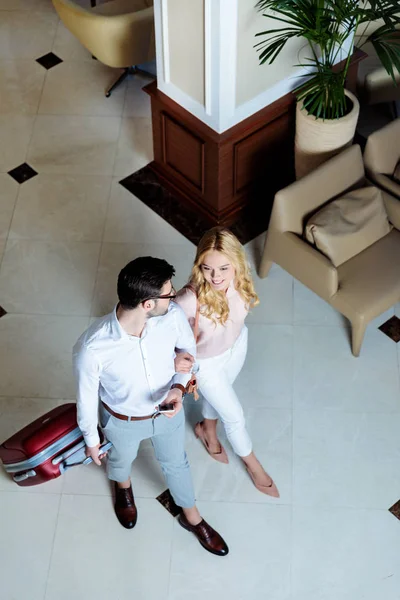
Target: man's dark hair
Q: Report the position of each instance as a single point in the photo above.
(141, 279)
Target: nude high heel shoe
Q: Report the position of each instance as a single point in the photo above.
(269, 490)
(220, 456)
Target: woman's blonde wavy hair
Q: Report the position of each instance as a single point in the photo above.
(214, 304)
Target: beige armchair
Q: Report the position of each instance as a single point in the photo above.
(119, 33)
(364, 286)
(382, 155)
(379, 88)
(375, 84)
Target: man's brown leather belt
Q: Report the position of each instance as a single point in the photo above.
(125, 418)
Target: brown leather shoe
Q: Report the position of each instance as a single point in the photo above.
(207, 536)
(125, 507)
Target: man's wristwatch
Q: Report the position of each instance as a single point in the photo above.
(179, 386)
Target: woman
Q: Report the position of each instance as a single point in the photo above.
(221, 288)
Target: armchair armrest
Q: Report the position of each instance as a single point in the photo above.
(305, 263)
(301, 198)
(386, 183)
(392, 208)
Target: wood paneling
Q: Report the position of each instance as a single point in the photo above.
(183, 152)
(223, 176)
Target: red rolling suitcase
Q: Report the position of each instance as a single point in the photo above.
(46, 448)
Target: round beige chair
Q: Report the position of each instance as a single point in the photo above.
(119, 33)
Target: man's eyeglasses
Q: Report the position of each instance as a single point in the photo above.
(170, 296)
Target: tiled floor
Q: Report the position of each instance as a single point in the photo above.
(325, 424)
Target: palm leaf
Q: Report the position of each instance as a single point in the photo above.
(327, 25)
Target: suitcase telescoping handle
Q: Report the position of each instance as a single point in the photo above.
(62, 460)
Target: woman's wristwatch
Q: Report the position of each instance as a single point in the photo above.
(179, 386)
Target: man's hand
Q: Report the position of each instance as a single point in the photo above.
(93, 451)
(183, 362)
(174, 397)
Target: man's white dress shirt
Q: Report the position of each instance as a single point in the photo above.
(132, 375)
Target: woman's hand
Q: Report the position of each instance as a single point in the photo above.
(183, 362)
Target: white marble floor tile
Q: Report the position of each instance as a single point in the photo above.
(78, 88)
(2, 247)
(343, 554)
(15, 134)
(16, 413)
(130, 221)
(258, 565)
(67, 47)
(94, 557)
(346, 459)
(276, 298)
(37, 355)
(21, 83)
(275, 291)
(146, 475)
(310, 309)
(115, 256)
(27, 525)
(17, 5)
(48, 277)
(271, 434)
(380, 319)
(398, 355)
(26, 34)
(74, 144)
(8, 194)
(254, 249)
(61, 207)
(137, 102)
(327, 375)
(135, 146)
(88, 480)
(267, 376)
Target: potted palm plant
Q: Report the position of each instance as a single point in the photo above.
(327, 113)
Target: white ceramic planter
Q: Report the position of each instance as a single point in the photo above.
(317, 140)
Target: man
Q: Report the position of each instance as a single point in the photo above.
(126, 359)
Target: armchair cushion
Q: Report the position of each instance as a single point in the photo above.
(345, 227)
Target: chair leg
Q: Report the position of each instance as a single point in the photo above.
(266, 260)
(358, 329)
(120, 79)
(265, 266)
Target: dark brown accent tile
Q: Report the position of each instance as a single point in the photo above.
(145, 185)
(395, 510)
(2, 312)
(168, 502)
(50, 60)
(22, 173)
(392, 328)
